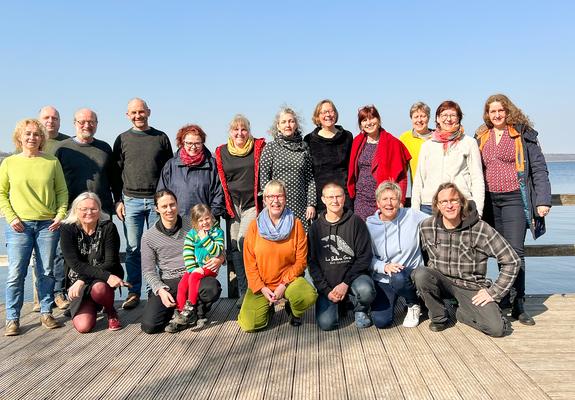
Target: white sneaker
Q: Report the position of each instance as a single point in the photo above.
(412, 318)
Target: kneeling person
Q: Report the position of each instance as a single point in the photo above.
(339, 261)
(396, 254)
(458, 244)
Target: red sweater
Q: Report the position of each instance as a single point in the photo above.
(389, 162)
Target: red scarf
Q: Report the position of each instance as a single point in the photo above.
(447, 138)
(191, 161)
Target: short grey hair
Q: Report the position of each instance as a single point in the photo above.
(388, 185)
(72, 217)
(275, 184)
(420, 106)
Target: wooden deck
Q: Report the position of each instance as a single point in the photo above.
(282, 362)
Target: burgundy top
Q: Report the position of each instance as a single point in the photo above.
(499, 164)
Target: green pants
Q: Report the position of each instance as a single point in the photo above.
(254, 312)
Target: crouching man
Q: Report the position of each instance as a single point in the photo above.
(458, 244)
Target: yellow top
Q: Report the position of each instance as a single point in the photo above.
(413, 144)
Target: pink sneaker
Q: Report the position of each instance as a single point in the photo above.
(114, 323)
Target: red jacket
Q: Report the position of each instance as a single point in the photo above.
(258, 147)
(389, 161)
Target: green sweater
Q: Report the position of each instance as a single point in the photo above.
(32, 189)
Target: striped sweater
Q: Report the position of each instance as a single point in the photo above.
(197, 251)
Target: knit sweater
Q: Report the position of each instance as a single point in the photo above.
(461, 164)
(32, 188)
(140, 156)
(197, 251)
(269, 263)
(162, 256)
(52, 144)
(461, 254)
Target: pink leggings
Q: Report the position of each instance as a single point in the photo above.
(189, 286)
(101, 294)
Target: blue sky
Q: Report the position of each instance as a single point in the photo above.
(203, 63)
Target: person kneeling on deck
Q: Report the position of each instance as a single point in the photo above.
(339, 261)
(394, 234)
(458, 244)
(275, 252)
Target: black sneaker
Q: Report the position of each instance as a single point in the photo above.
(293, 320)
(437, 326)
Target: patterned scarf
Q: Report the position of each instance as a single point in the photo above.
(277, 232)
(89, 246)
(191, 161)
(244, 151)
(447, 138)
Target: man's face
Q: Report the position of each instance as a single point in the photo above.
(449, 204)
(334, 199)
(86, 124)
(138, 113)
(50, 118)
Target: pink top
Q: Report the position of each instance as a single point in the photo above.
(499, 164)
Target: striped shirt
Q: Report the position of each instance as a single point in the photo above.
(197, 251)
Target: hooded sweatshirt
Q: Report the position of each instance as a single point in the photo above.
(395, 241)
(338, 252)
(461, 254)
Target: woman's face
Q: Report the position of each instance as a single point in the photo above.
(388, 203)
(167, 208)
(239, 135)
(287, 124)
(31, 138)
(193, 144)
(419, 121)
(88, 212)
(275, 201)
(327, 116)
(497, 115)
(448, 120)
(370, 125)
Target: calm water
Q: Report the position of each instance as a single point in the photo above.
(544, 274)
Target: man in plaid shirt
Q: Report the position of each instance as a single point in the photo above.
(458, 245)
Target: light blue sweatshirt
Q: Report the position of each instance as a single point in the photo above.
(395, 241)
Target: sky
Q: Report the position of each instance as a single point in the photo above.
(204, 62)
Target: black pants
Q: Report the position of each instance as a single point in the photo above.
(156, 316)
(505, 212)
(433, 287)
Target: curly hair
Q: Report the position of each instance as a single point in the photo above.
(21, 128)
(514, 115)
(189, 129)
(284, 110)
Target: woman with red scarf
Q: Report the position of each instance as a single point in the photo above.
(192, 173)
(376, 156)
(449, 156)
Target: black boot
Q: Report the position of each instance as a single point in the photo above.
(518, 312)
(189, 314)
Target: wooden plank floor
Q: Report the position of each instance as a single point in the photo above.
(219, 361)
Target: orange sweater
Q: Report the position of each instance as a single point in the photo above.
(270, 263)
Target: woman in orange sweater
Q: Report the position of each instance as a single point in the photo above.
(275, 257)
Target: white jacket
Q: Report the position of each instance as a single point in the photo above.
(460, 165)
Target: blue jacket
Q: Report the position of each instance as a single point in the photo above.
(194, 185)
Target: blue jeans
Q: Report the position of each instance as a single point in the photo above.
(361, 294)
(400, 284)
(20, 245)
(138, 213)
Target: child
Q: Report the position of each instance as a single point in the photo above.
(203, 242)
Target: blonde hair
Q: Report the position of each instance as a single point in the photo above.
(21, 128)
(198, 211)
(72, 217)
(275, 184)
(315, 117)
(239, 120)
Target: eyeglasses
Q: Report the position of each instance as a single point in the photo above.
(326, 112)
(87, 210)
(275, 196)
(447, 116)
(444, 203)
(337, 196)
(91, 123)
(194, 145)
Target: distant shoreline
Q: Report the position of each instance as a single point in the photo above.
(554, 157)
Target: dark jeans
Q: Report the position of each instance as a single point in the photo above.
(361, 293)
(433, 287)
(400, 284)
(156, 316)
(505, 212)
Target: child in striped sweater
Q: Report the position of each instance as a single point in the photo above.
(204, 241)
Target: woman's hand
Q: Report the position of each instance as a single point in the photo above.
(542, 211)
(17, 225)
(392, 268)
(279, 292)
(269, 295)
(115, 281)
(75, 289)
(167, 298)
(214, 264)
(310, 213)
(55, 224)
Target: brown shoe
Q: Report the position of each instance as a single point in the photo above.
(61, 302)
(36, 307)
(48, 321)
(131, 302)
(12, 328)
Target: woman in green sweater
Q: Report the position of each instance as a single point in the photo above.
(33, 199)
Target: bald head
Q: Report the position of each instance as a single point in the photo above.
(86, 124)
(138, 113)
(50, 118)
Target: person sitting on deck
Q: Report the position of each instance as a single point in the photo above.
(339, 260)
(458, 244)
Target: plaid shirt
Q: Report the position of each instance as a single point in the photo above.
(461, 254)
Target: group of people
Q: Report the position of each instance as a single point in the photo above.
(327, 201)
